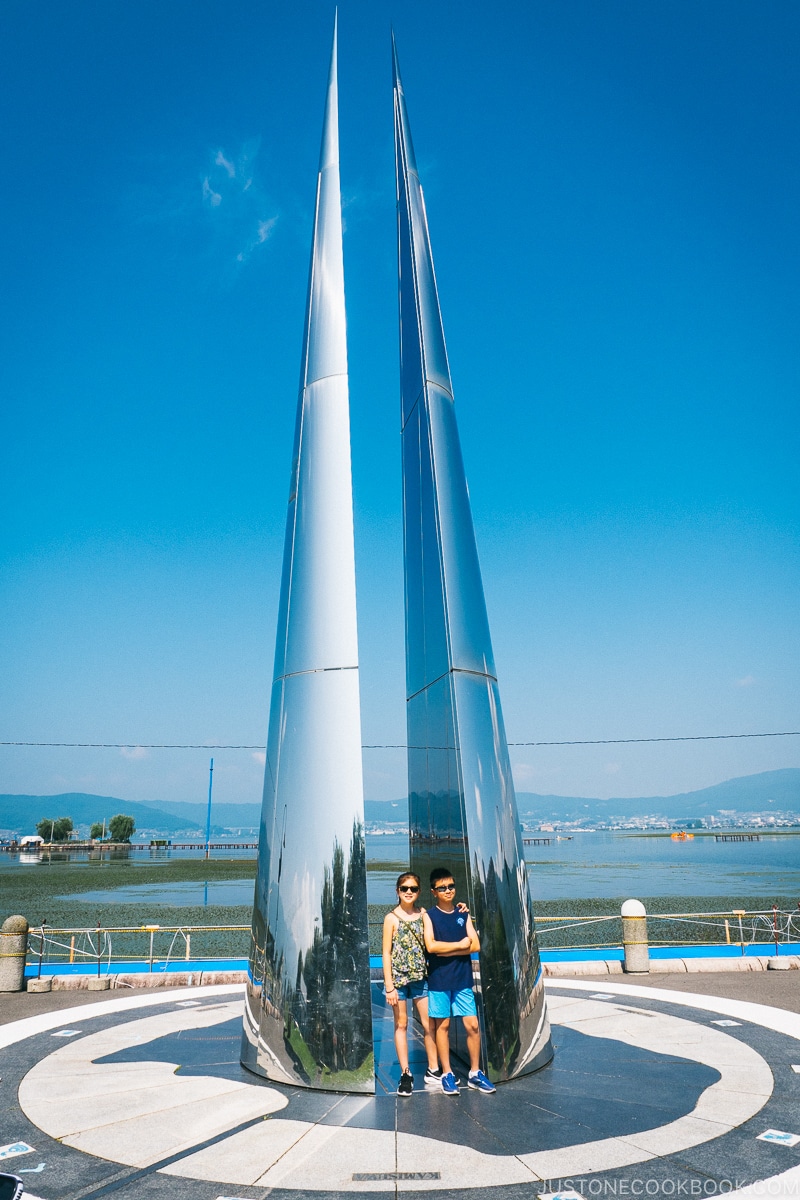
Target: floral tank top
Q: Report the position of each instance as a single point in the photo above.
(408, 952)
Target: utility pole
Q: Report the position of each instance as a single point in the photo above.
(208, 815)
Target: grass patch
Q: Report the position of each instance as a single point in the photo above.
(53, 892)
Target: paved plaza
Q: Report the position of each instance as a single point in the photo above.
(676, 1086)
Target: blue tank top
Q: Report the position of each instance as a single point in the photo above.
(449, 973)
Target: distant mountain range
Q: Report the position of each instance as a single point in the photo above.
(19, 814)
(769, 791)
(229, 816)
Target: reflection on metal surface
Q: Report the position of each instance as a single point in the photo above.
(463, 809)
(308, 1013)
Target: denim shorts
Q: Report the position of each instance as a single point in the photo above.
(413, 991)
(460, 1003)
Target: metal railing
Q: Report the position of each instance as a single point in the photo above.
(603, 931)
(735, 927)
(162, 947)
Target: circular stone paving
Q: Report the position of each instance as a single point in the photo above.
(649, 1093)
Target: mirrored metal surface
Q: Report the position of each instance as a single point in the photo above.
(308, 1012)
(462, 805)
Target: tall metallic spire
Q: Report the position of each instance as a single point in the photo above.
(308, 1013)
(462, 804)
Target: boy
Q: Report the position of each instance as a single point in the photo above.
(450, 939)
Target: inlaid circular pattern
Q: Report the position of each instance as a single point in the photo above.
(646, 1095)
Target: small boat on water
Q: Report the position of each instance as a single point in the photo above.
(682, 836)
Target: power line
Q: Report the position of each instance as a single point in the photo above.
(136, 745)
(703, 737)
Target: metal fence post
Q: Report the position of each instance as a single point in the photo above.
(152, 929)
(634, 937)
(40, 984)
(101, 983)
(740, 912)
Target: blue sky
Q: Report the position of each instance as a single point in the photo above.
(613, 193)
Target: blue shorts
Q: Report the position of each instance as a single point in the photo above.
(413, 991)
(452, 1004)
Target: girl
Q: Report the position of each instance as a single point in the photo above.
(404, 971)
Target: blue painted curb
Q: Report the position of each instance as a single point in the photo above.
(613, 954)
(709, 950)
(140, 968)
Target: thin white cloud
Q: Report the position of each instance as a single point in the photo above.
(527, 773)
(223, 196)
(231, 191)
(747, 681)
(263, 232)
(226, 164)
(259, 756)
(134, 752)
(265, 229)
(209, 195)
(611, 768)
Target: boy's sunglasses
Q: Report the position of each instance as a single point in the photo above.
(408, 889)
(445, 887)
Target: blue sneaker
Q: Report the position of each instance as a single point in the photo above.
(480, 1083)
(450, 1086)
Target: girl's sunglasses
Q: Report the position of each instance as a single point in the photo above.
(410, 888)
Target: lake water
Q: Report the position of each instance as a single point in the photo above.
(590, 865)
(613, 864)
(607, 865)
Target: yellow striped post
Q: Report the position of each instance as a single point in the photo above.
(13, 951)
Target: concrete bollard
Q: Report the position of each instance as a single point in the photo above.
(634, 937)
(13, 951)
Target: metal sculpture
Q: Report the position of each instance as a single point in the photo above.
(308, 1014)
(463, 812)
